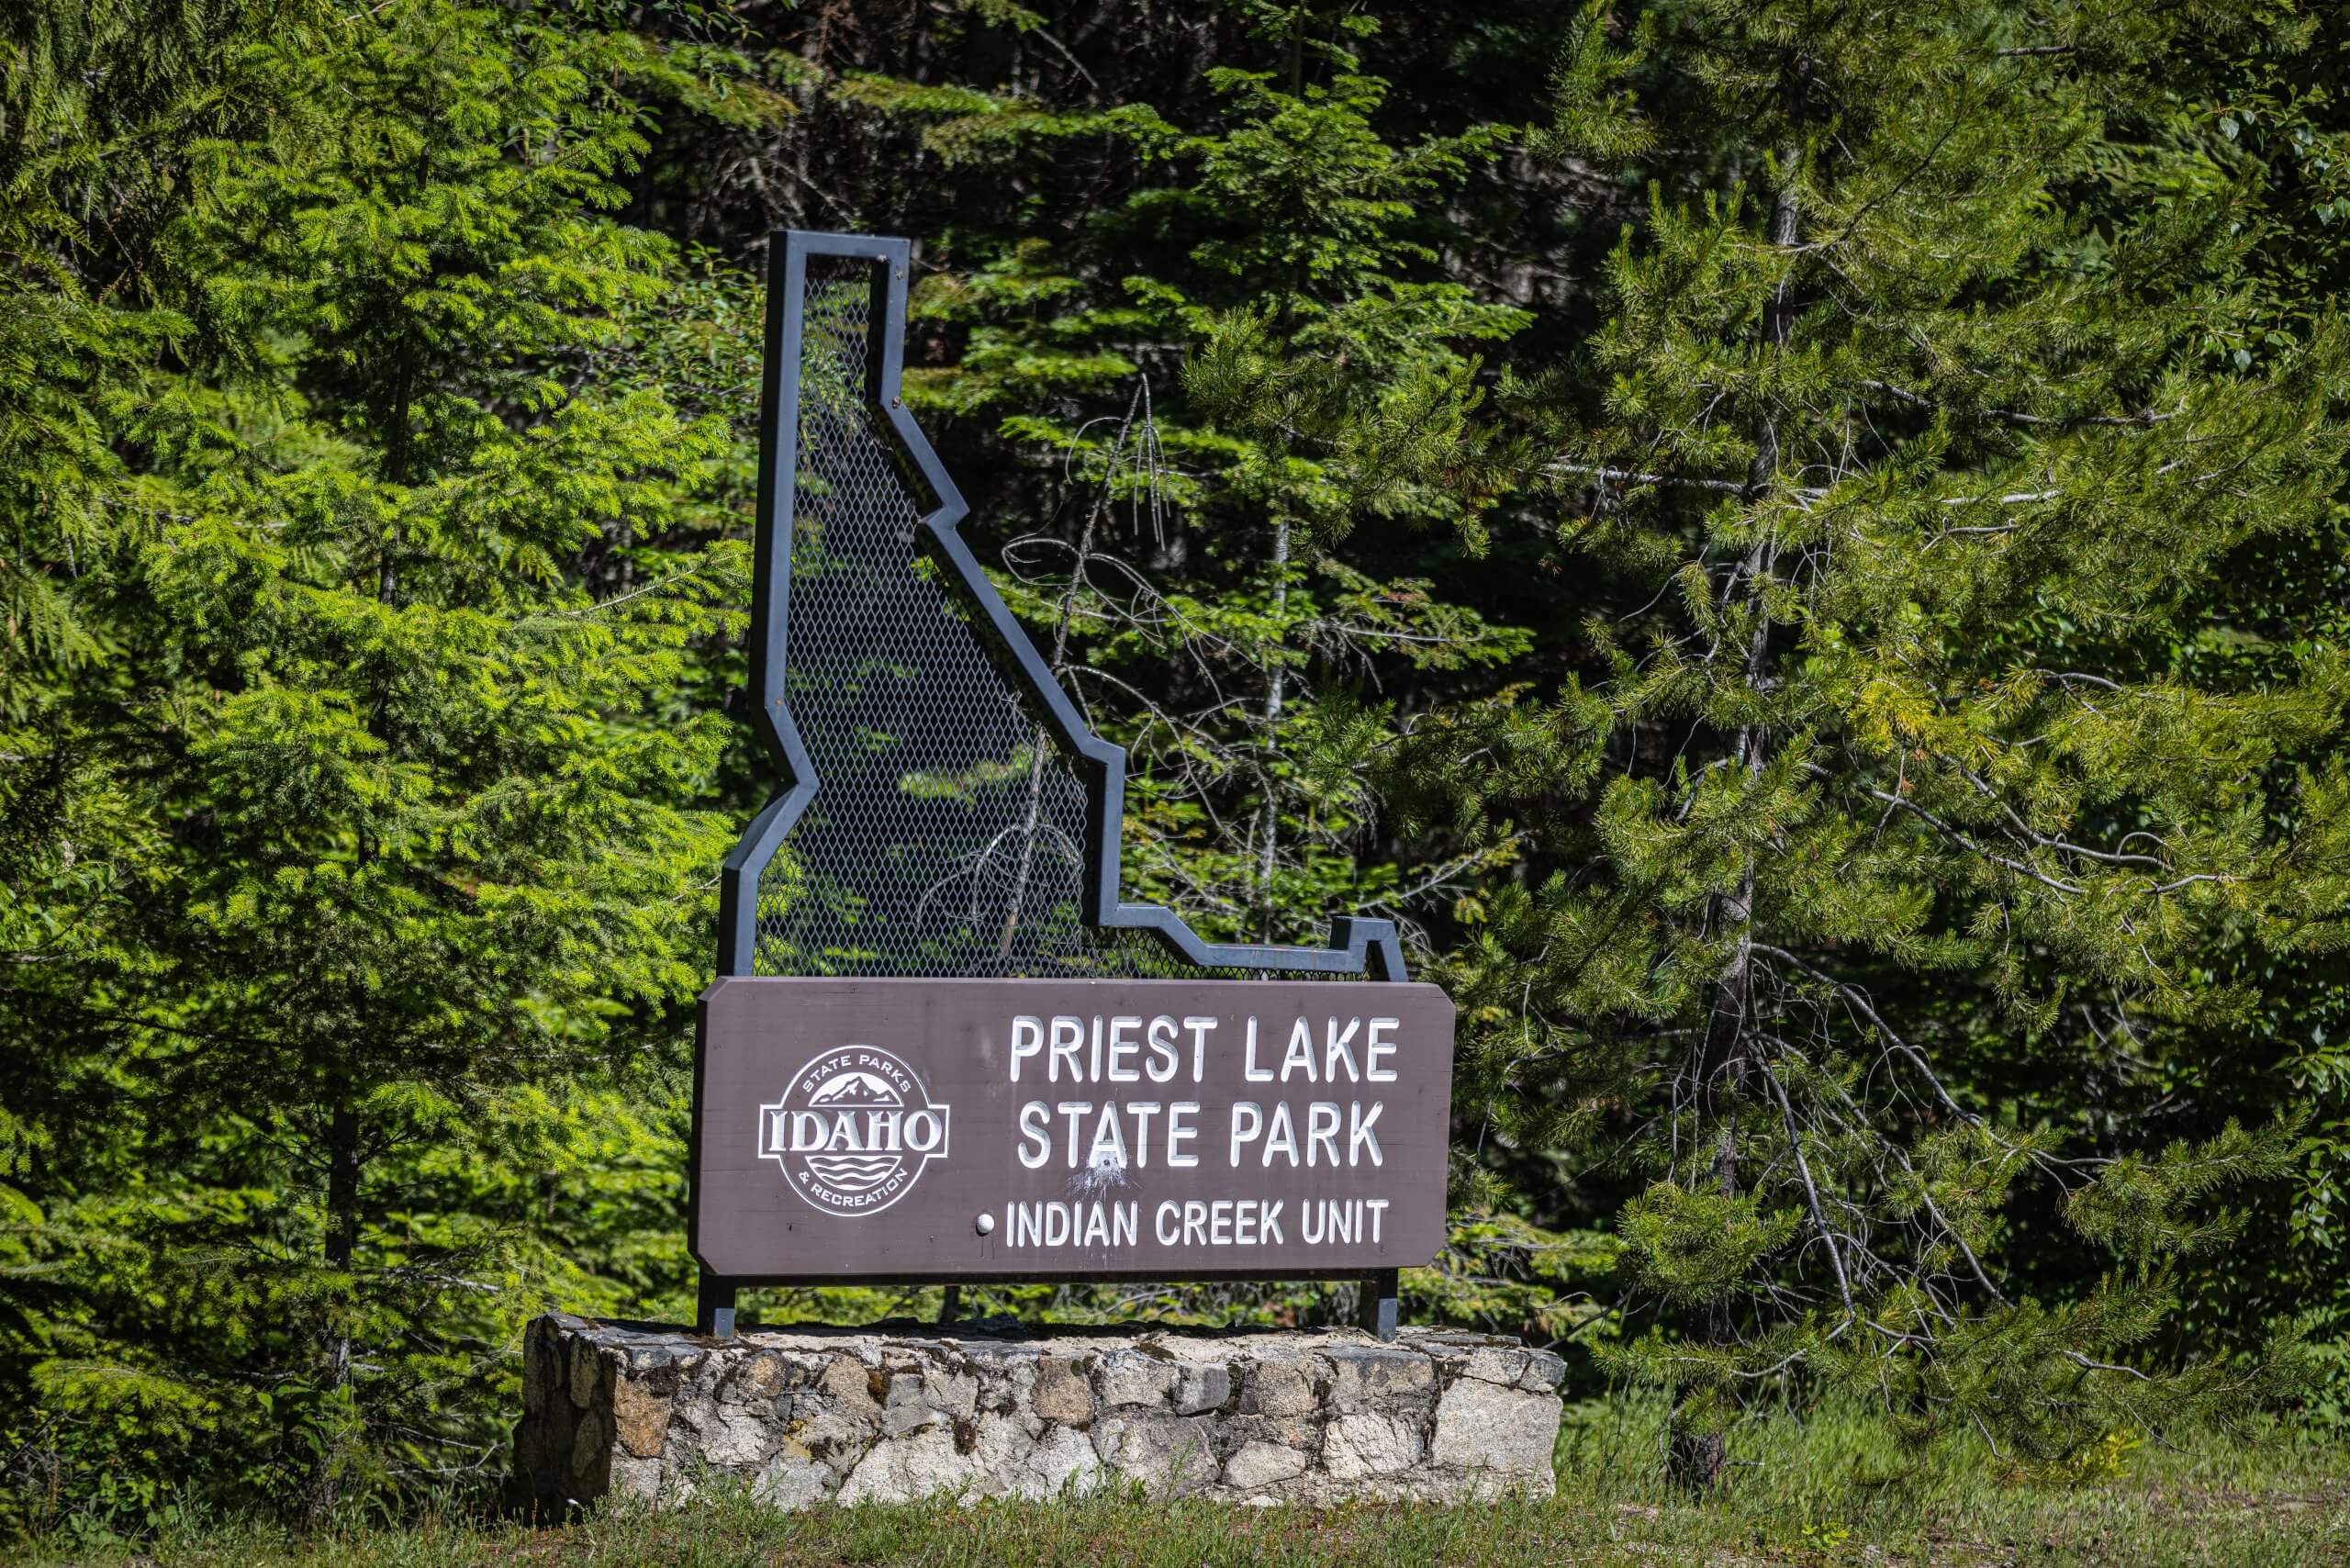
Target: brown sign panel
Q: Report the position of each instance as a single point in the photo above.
(937, 1129)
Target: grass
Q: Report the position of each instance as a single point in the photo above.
(1824, 1491)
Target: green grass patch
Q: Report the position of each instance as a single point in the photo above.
(1823, 1489)
(1827, 1485)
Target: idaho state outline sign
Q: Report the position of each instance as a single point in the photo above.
(933, 1127)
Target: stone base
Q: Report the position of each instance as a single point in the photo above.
(809, 1415)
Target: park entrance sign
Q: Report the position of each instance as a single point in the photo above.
(920, 1129)
(942, 1046)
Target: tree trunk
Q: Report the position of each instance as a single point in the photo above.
(1696, 1458)
(334, 1339)
(1015, 902)
(1269, 820)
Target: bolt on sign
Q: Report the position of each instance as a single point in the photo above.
(942, 1046)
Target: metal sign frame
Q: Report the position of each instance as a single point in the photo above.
(1358, 945)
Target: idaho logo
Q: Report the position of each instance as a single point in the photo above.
(853, 1131)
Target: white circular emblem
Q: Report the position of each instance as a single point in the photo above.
(854, 1130)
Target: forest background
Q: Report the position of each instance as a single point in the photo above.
(1798, 547)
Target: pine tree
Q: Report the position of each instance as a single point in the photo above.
(1916, 434)
(97, 105)
(1205, 591)
(2264, 108)
(414, 804)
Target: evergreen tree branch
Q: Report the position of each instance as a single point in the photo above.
(1828, 1234)
(2143, 420)
(1959, 837)
(1632, 476)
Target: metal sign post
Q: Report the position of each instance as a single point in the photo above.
(931, 992)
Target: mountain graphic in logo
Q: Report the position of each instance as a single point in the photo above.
(853, 1131)
(856, 1089)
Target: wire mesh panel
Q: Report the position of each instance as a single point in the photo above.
(946, 834)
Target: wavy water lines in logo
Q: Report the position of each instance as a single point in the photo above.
(854, 1130)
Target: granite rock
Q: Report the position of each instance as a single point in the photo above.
(806, 1417)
